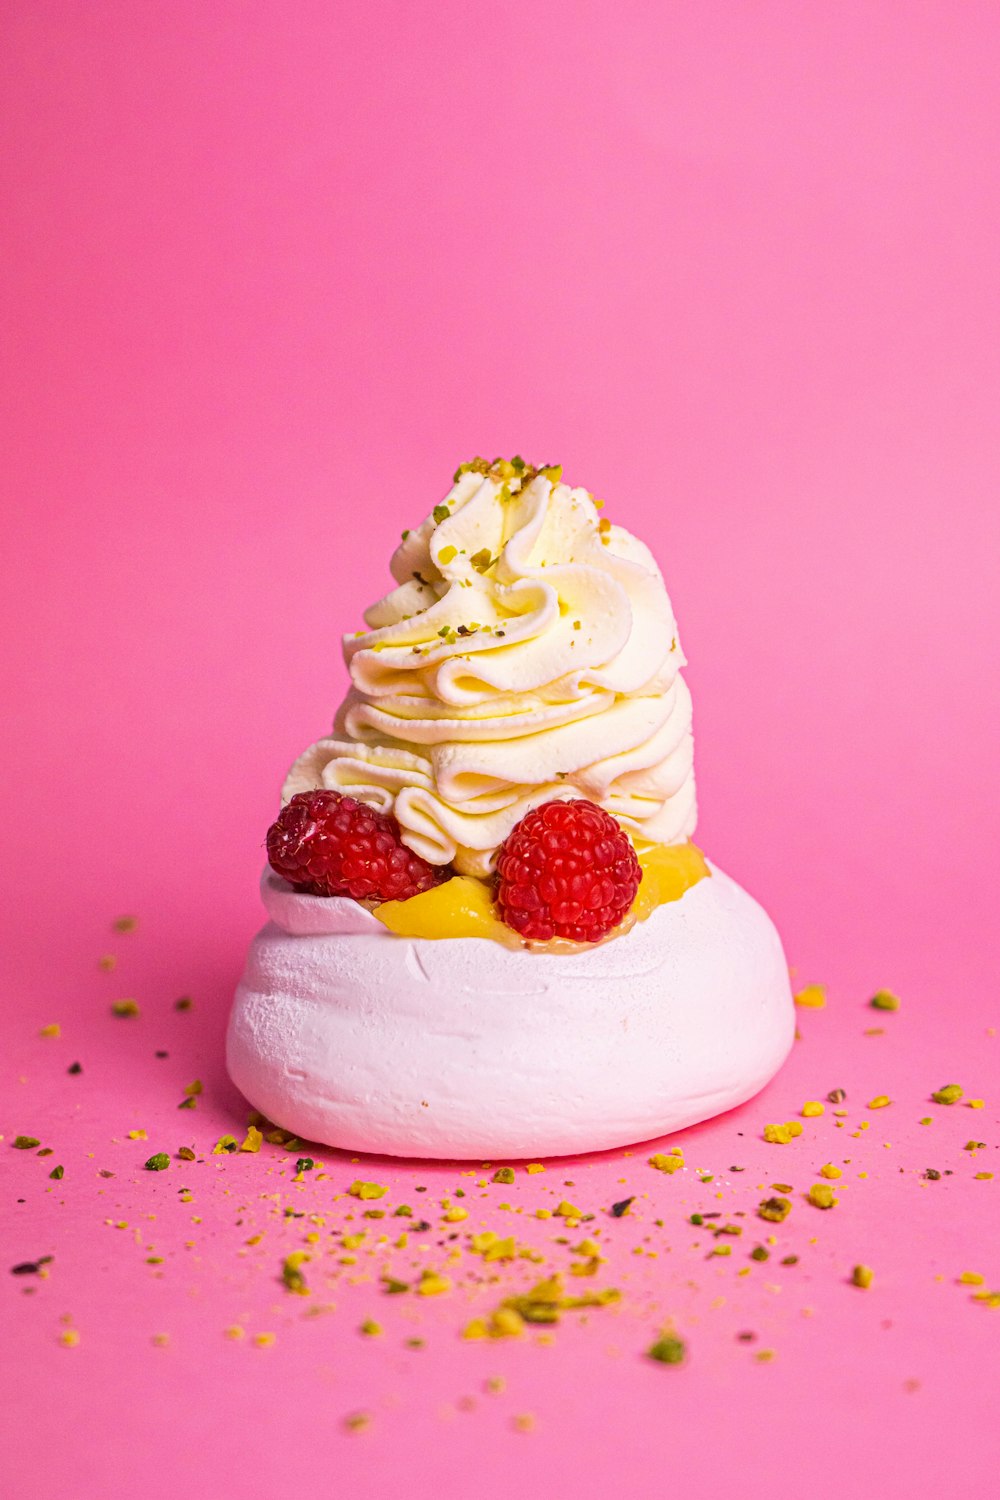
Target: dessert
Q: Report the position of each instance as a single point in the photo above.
(490, 933)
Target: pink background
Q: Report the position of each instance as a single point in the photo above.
(270, 272)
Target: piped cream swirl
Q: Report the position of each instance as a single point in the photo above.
(529, 652)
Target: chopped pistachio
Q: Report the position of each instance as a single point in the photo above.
(813, 997)
(292, 1274)
(862, 1276)
(812, 1108)
(432, 1285)
(776, 1210)
(670, 1164)
(830, 1171)
(123, 1008)
(57, 1173)
(949, 1094)
(667, 1350)
(884, 1000)
(25, 1143)
(367, 1190)
(158, 1163)
(820, 1195)
(504, 1175)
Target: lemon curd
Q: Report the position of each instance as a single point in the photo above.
(464, 906)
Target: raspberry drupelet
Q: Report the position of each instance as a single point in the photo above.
(326, 844)
(567, 870)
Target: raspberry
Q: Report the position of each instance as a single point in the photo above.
(329, 845)
(567, 870)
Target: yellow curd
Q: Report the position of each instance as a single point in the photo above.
(463, 906)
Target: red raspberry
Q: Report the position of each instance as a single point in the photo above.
(329, 845)
(568, 870)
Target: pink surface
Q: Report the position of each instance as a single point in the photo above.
(270, 271)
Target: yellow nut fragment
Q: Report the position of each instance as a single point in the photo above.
(862, 1276)
(506, 1323)
(884, 1000)
(976, 1103)
(534, 1166)
(780, 1135)
(124, 1007)
(829, 1170)
(820, 1195)
(504, 1175)
(949, 1094)
(252, 1140)
(971, 1278)
(879, 1102)
(776, 1210)
(669, 1164)
(370, 1328)
(813, 997)
(432, 1285)
(566, 1210)
(69, 1338)
(812, 1108)
(367, 1190)
(53, 1030)
(291, 1272)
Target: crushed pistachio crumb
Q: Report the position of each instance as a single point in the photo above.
(158, 1163)
(813, 997)
(366, 1190)
(820, 1195)
(776, 1210)
(950, 1093)
(862, 1276)
(667, 1350)
(124, 1008)
(884, 1000)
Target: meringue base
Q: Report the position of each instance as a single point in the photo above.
(348, 1035)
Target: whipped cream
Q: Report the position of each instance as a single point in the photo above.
(529, 652)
